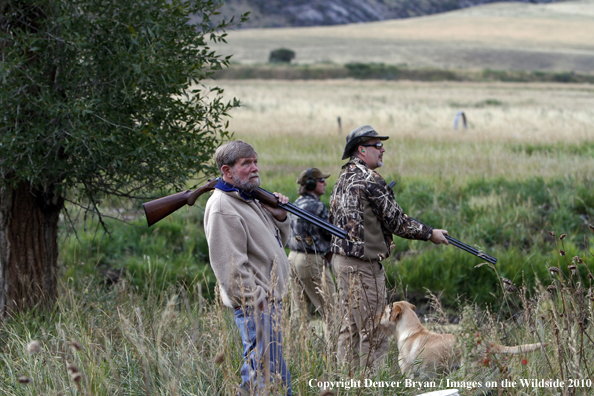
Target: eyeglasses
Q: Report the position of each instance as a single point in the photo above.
(377, 145)
(321, 180)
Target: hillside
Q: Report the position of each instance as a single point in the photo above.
(501, 36)
(280, 13)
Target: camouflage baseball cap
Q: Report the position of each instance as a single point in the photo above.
(358, 136)
(315, 173)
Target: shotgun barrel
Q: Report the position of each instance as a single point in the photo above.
(459, 244)
(271, 200)
(160, 208)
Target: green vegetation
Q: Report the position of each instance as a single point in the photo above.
(174, 251)
(507, 219)
(98, 99)
(492, 191)
(381, 71)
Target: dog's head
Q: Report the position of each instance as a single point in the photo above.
(388, 320)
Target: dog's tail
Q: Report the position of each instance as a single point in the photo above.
(496, 348)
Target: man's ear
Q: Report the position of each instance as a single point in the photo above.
(227, 171)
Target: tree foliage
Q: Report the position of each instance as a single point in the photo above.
(105, 97)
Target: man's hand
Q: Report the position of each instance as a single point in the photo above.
(278, 213)
(438, 236)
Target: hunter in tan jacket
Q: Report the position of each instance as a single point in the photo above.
(246, 248)
(245, 244)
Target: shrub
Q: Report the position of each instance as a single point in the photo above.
(281, 55)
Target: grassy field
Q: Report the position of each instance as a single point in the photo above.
(504, 120)
(524, 167)
(519, 178)
(505, 36)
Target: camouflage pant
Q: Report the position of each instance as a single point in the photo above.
(362, 295)
(311, 283)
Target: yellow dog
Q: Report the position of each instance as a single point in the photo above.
(435, 353)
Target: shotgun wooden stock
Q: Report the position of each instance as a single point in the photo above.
(163, 207)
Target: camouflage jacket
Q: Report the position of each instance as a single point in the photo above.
(314, 239)
(364, 206)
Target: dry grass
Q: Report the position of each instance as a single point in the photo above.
(294, 124)
(121, 342)
(556, 37)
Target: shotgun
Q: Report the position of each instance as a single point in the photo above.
(163, 207)
(457, 243)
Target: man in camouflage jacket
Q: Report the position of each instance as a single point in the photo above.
(311, 281)
(364, 206)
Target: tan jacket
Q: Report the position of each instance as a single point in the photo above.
(245, 244)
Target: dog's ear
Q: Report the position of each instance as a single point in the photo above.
(395, 312)
(410, 305)
(385, 322)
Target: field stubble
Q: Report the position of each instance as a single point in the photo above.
(294, 124)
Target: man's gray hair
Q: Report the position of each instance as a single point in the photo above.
(230, 152)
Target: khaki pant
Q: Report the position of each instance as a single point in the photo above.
(311, 283)
(362, 295)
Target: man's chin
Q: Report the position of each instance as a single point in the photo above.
(252, 184)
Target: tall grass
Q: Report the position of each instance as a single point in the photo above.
(125, 341)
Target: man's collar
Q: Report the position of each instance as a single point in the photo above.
(311, 195)
(356, 161)
(228, 187)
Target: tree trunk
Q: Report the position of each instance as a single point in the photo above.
(28, 248)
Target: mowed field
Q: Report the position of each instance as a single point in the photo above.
(294, 124)
(500, 36)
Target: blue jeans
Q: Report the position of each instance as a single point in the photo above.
(254, 349)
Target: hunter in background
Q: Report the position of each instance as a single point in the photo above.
(311, 281)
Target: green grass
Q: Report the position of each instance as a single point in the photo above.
(491, 188)
(173, 251)
(507, 219)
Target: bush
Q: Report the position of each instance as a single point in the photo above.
(281, 55)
